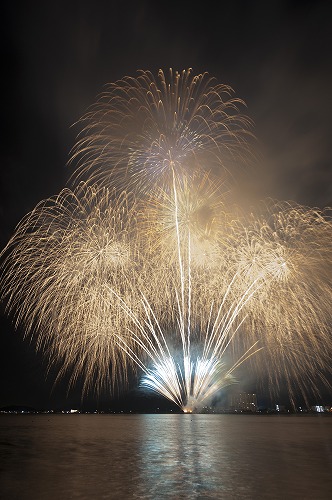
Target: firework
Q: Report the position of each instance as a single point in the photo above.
(143, 130)
(173, 280)
(56, 268)
(290, 245)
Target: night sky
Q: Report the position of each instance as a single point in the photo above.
(56, 58)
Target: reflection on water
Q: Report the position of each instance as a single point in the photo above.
(165, 456)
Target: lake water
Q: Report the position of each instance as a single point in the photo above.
(165, 457)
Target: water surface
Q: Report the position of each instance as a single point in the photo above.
(165, 457)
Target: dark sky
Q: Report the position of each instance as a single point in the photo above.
(56, 57)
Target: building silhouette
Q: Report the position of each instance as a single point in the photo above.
(243, 401)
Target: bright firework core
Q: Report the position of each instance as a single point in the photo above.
(191, 386)
(144, 262)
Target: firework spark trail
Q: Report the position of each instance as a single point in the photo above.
(190, 230)
(172, 279)
(187, 382)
